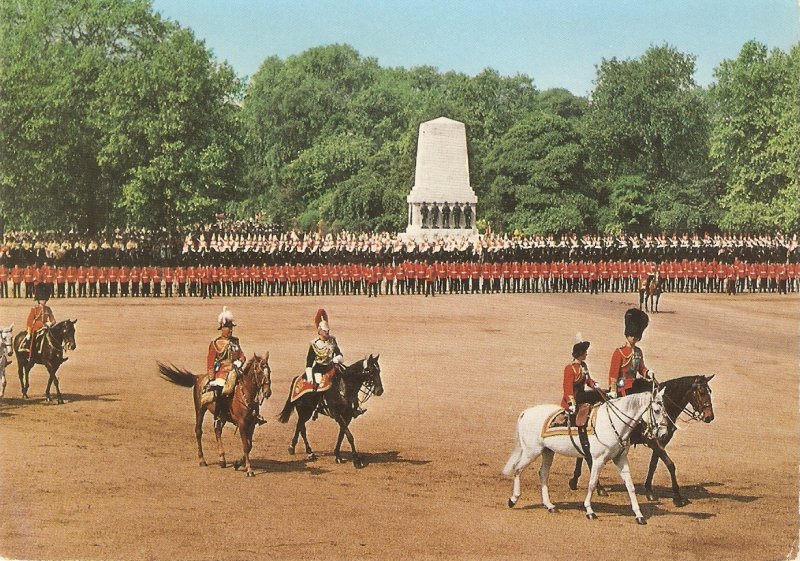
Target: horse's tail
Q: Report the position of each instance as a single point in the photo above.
(289, 406)
(516, 455)
(177, 375)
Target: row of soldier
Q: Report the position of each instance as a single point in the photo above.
(213, 246)
(412, 277)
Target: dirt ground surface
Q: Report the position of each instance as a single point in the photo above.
(113, 472)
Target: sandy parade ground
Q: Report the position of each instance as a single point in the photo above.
(113, 473)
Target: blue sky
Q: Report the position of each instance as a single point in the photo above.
(557, 43)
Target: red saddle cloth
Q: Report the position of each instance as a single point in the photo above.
(301, 386)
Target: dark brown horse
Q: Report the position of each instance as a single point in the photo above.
(48, 350)
(354, 384)
(679, 394)
(240, 408)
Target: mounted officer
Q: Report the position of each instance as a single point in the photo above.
(628, 373)
(224, 362)
(577, 400)
(324, 354)
(40, 318)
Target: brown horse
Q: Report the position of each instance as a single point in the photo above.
(240, 408)
(650, 292)
(48, 350)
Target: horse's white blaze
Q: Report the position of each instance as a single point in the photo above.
(610, 426)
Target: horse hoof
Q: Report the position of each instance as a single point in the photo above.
(236, 466)
(650, 496)
(680, 501)
(591, 516)
(602, 491)
(641, 521)
(358, 464)
(251, 474)
(291, 450)
(573, 484)
(552, 509)
(203, 463)
(222, 465)
(311, 457)
(339, 460)
(511, 503)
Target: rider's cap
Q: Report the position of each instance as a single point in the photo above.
(225, 318)
(321, 320)
(635, 323)
(579, 348)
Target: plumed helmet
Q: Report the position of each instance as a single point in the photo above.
(321, 320)
(42, 292)
(579, 348)
(225, 318)
(635, 323)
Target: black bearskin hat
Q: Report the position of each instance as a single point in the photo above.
(42, 292)
(635, 323)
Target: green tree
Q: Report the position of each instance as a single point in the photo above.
(110, 116)
(755, 140)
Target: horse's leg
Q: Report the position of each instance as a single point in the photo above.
(526, 456)
(54, 380)
(343, 428)
(544, 476)
(200, 413)
(218, 434)
(594, 477)
(303, 415)
(573, 483)
(660, 453)
(246, 432)
(22, 371)
(624, 469)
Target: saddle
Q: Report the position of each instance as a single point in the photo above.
(301, 386)
(557, 425)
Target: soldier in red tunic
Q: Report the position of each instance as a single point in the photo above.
(576, 378)
(39, 318)
(627, 373)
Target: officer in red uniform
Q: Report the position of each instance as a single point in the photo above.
(576, 378)
(628, 373)
(40, 317)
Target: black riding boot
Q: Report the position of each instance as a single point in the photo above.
(584, 438)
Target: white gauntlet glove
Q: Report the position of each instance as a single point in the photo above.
(237, 364)
(309, 374)
(612, 393)
(571, 409)
(338, 359)
(650, 375)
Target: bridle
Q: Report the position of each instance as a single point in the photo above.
(62, 342)
(698, 399)
(367, 387)
(651, 422)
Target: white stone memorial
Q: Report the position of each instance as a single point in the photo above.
(442, 202)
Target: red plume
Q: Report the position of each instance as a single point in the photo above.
(321, 314)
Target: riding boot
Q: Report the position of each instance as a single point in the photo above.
(584, 438)
(357, 411)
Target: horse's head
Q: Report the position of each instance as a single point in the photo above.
(259, 369)
(6, 340)
(372, 374)
(655, 416)
(700, 398)
(66, 332)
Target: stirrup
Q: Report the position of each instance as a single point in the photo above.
(260, 420)
(358, 412)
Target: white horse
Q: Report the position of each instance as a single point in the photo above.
(5, 355)
(613, 425)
